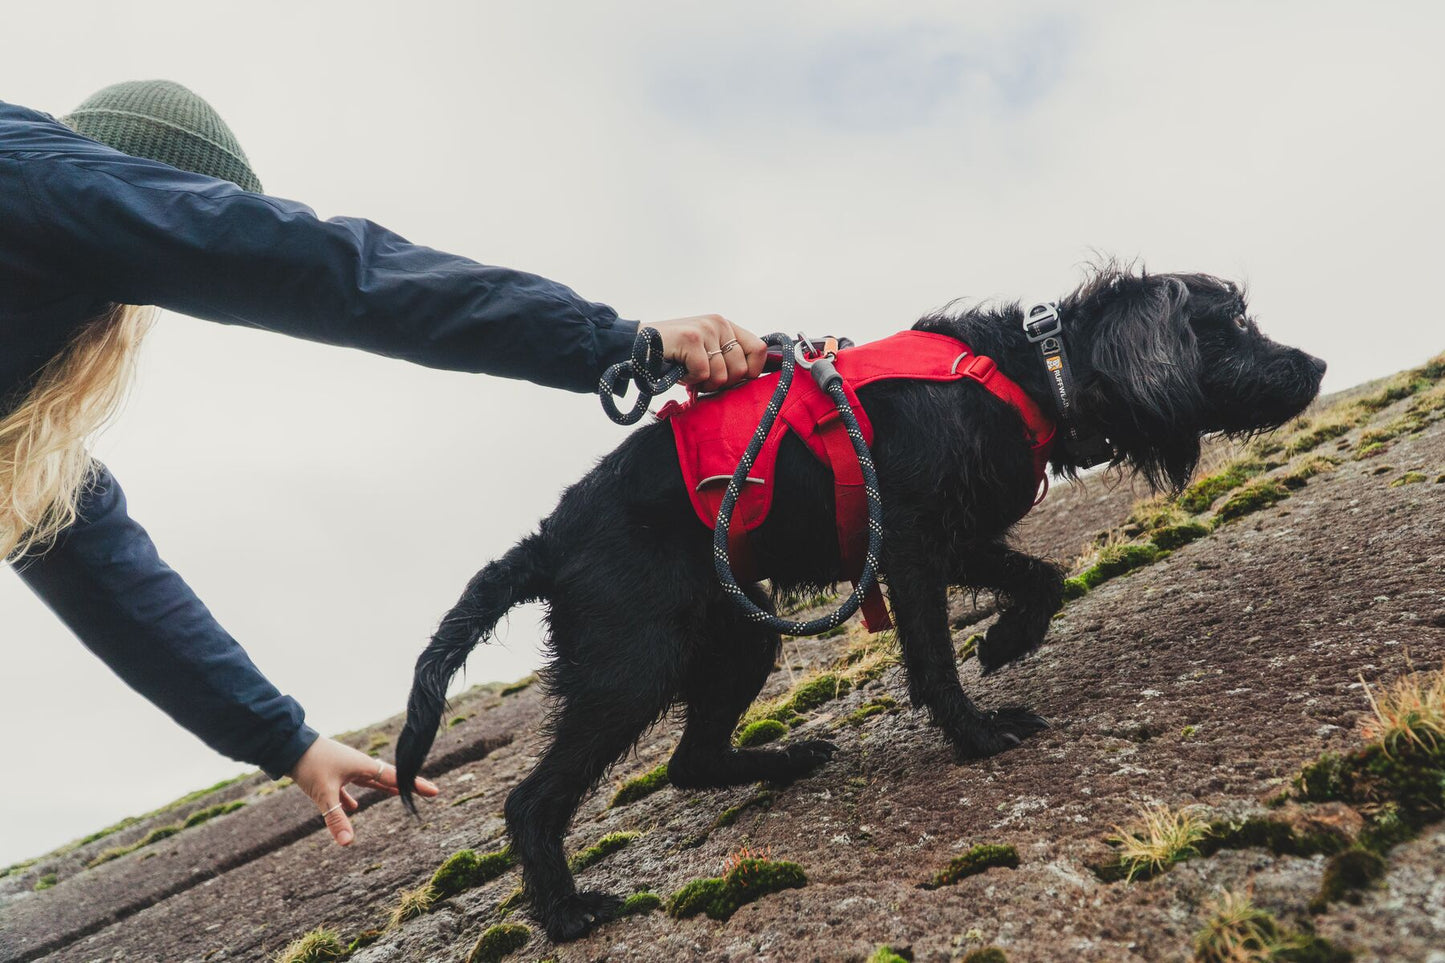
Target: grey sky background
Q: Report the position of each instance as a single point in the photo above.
(838, 167)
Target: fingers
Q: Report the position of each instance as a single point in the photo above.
(385, 780)
(714, 352)
(336, 819)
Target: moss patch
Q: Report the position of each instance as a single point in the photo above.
(887, 954)
(1409, 478)
(1168, 539)
(318, 946)
(499, 941)
(761, 732)
(600, 850)
(1346, 875)
(978, 859)
(640, 787)
(517, 686)
(1112, 562)
(1199, 496)
(873, 707)
(465, 869)
(211, 812)
(46, 882)
(364, 939)
(749, 880)
(727, 817)
(1252, 498)
(806, 695)
(639, 904)
(989, 954)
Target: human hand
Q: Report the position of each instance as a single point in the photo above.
(323, 772)
(714, 351)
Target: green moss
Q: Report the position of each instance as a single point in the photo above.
(989, 954)
(1387, 397)
(639, 904)
(887, 954)
(600, 850)
(871, 708)
(749, 880)
(761, 732)
(458, 720)
(511, 901)
(46, 881)
(364, 939)
(319, 946)
(978, 859)
(1188, 732)
(1346, 874)
(1277, 836)
(1074, 588)
(817, 691)
(499, 941)
(969, 647)
(1310, 440)
(517, 686)
(1168, 539)
(1307, 469)
(1252, 498)
(1199, 496)
(1371, 450)
(640, 787)
(1409, 478)
(1439, 480)
(1400, 790)
(19, 867)
(211, 812)
(465, 869)
(1115, 561)
(727, 817)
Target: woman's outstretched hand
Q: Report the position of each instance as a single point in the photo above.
(326, 768)
(714, 351)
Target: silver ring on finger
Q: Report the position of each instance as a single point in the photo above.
(714, 354)
(331, 810)
(380, 767)
(729, 346)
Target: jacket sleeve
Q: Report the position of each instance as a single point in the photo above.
(105, 580)
(139, 232)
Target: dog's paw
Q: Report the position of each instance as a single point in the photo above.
(997, 731)
(1012, 637)
(803, 757)
(577, 915)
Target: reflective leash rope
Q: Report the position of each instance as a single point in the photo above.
(646, 369)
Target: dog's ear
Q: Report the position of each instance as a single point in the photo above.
(1145, 376)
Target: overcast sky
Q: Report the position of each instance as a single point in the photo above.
(833, 167)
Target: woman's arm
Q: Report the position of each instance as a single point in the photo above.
(105, 580)
(136, 231)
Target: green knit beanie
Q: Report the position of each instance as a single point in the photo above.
(165, 122)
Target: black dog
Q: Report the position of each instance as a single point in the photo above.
(639, 623)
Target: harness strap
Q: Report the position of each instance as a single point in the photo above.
(851, 509)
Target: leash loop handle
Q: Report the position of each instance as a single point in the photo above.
(647, 369)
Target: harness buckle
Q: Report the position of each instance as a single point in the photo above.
(1041, 321)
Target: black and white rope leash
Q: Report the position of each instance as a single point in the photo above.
(653, 376)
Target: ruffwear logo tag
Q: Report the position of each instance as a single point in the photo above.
(1055, 363)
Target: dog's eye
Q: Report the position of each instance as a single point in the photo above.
(1241, 323)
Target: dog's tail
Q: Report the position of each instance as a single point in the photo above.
(521, 575)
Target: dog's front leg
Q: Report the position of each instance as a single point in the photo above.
(918, 585)
(1029, 591)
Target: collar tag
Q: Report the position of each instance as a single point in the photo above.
(1042, 321)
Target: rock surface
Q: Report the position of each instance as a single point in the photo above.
(1207, 678)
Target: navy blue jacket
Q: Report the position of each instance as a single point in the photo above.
(83, 226)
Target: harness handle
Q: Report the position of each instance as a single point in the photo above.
(653, 379)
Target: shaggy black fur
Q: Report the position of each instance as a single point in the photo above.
(638, 622)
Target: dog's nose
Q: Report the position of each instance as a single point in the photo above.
(1319, 364)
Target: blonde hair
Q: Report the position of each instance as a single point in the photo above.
(45, 462)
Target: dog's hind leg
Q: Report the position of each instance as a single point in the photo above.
(723, 679)
(919, 591)
(1029, 592)
(603, 709)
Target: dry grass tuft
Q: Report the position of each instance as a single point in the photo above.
(1408, 711)
(413, 903)
(1237, 932)
(1166, 836)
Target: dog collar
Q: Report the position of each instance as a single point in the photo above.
(1046, 332)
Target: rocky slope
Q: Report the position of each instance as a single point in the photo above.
(1216, 647)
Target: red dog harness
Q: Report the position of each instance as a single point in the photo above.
(713, 432)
